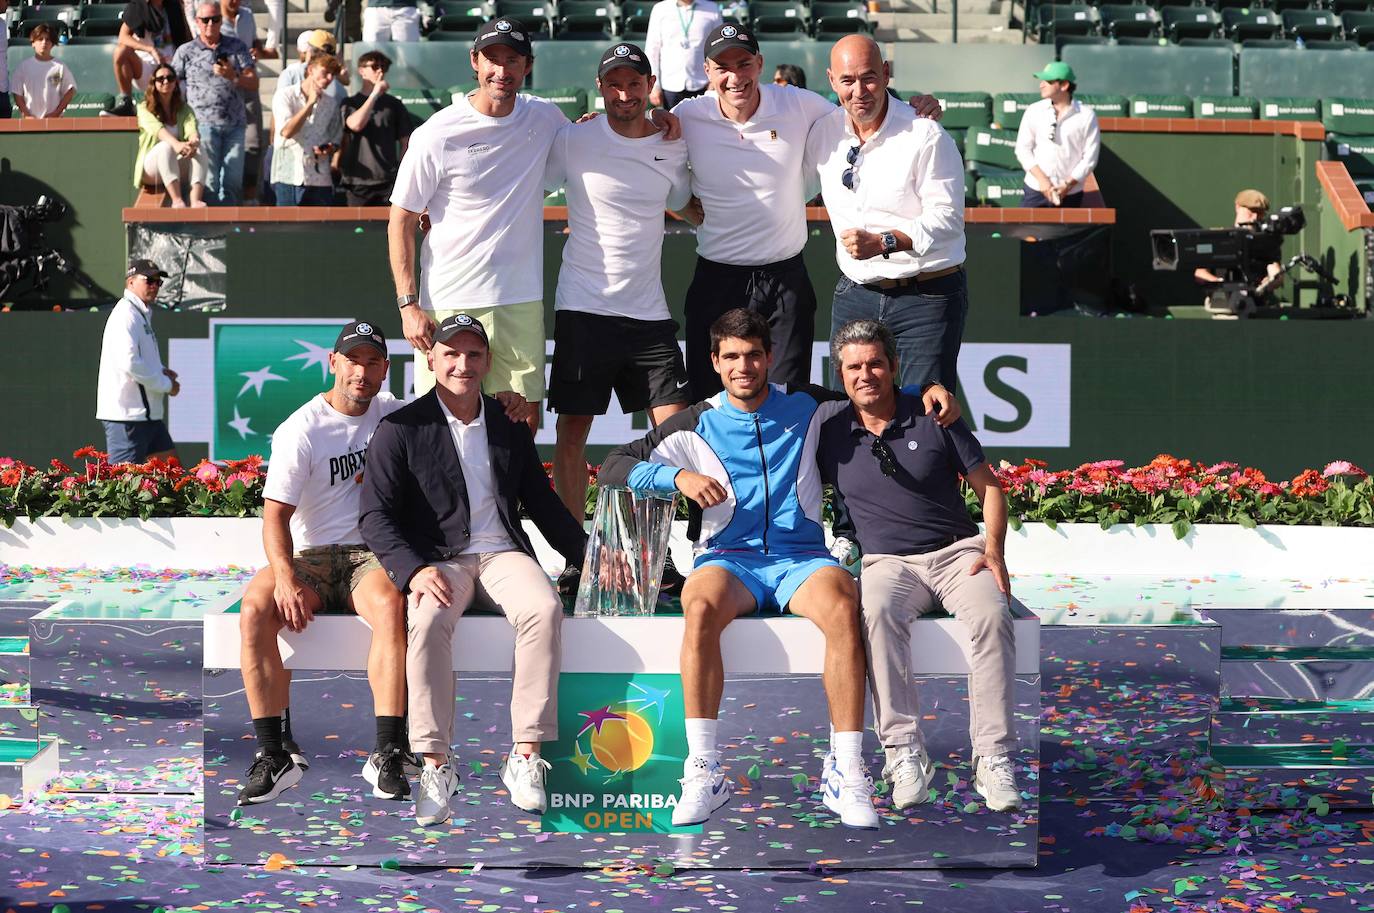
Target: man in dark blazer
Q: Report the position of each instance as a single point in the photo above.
(446, 478)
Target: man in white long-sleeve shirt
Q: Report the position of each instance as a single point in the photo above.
(1058, 142)
(676, 35)
(130, 393)
(894, 189)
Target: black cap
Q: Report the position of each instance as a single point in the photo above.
(506, 31)
(624, 55)
(461, 323)
(728, 36)
(146, 268)
(360, 333)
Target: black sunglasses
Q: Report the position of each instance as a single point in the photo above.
(1054, 131)
(153, 280)
(847, 179)
(208, 19)
(887, 460)
(164, 79)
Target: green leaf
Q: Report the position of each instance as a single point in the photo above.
(1246, 520)
(1181, 528)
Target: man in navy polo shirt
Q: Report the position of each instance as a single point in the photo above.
(898, 472)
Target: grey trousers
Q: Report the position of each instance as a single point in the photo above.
(897, 589)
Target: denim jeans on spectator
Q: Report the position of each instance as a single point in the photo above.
(927, 319)
(302, 195)
(223, 146)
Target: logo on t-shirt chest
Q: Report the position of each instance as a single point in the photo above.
(345, 467)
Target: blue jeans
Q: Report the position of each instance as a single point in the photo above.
(223, 147)
(927, 319)
(302, 195)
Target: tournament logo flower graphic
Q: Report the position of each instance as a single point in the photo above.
(620, 737)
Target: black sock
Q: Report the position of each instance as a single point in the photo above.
(391, 731)
(269, 733)
(286, 725)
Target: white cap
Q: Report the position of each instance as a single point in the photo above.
(303, 42)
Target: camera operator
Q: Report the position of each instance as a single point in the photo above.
(1252, 207)
(132, 381)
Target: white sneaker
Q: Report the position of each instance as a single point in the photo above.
(995, 780)
(524, 778)
(908, 771)
(849, 794)
(704, 789)
(437, 784)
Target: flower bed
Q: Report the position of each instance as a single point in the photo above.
(1166, 491)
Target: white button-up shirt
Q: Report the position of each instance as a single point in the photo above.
(1068, 151)
(130, 386)
(676, 41)
(907, 177)
(488, 534)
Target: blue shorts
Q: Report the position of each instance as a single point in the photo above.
(132, 442)
(770, 579)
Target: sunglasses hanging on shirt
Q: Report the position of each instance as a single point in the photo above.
(850, 173)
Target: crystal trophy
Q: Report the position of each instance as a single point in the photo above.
(628, 544)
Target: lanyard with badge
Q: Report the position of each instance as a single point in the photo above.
(685, 24)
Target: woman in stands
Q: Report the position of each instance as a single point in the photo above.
(168, 143)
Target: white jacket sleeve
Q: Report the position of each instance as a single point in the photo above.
(121, 345)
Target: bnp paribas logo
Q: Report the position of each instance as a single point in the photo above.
(619, 755)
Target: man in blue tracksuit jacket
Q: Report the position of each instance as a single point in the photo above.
(747, 458)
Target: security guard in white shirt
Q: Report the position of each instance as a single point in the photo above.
(894, 189)
(129, 399)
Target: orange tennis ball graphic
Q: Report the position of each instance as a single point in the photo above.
(622, 745)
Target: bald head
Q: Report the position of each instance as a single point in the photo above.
(859, 77)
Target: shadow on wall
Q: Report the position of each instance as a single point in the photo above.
(18, 188)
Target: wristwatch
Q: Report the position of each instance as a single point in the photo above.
(405, 301)
(889, 243)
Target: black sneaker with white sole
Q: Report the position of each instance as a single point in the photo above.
(269, 776)
(671, 580)
(296, 754)
(385, 770)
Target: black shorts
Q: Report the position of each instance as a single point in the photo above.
(594, 354)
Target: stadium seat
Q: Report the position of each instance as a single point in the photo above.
(535, 15)
(1226, 43)
(1007, 108)
(1333, 45)
(1234, 4)
(1357, 152)
(459, 17)
(1153, 42)
(1349, 115)
(831, 20)
(1162, 5)
(587, 19)
(1105, 105)
(1002, 190)
(990, 151)
(1062, 41)
(1225, 107)
(1190, 22)
(20, 34)
(1283, 6)
(1350, 6)
(89, 104)
(1311, 25)
(1272, 44)
(88, 40)
(965, 109)
(1248, 24)
(635, 29)
(571, 101)
(1161, 106)
(1359, 27)
(1056, 19)
(1289, 109)
(455, 36)
(1129, 21)
(99, 28)
(774, 17)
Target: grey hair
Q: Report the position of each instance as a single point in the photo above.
(863, 332)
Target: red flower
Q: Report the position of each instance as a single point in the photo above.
(11, 477)
(87, 452)
(1309, 484)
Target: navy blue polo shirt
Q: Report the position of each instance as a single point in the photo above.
(919, 508)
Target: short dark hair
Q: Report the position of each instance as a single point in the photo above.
(375, 59)
(741, 323)
(41, 30)
(792, 74)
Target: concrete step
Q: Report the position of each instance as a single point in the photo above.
(24, 767)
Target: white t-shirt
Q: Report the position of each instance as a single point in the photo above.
(487, 532)
(617, 190)
(318, 455)
(482, 180)
(41, 83)
(749, 176)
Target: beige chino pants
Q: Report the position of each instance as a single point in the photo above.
(896, 590)
(516, 586)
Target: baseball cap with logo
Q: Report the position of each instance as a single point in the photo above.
(624, 55)
(360, 333)
(726, 37)
(146, 268)
(504, 31)
(461, 323)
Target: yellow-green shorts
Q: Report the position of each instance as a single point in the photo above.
(516, 332)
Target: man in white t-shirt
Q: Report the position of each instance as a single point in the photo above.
(317, 563)
(677, 31)
(612, 329)
(42, 85)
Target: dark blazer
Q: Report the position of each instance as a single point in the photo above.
(415, 509)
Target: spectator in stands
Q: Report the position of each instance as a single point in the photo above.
(789, 74)
(132, 383)
(310, 44)
(353, 17)
(212, 68)
(1252, 206)
(169, 153)
(5, 109)
(149, 32)
(275, 39)
(1058, 142)
(377, 131)
(317, 564)
(42, 85)
(391, 20)
(239, 22)
(899, 471)
(676, 35)
(448, 478)
(308, 131)
(894, 189)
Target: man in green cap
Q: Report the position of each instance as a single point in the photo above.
(1058, 142)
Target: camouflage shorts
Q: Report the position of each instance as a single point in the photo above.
(334, 572)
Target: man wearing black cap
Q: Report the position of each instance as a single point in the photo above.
(612, 330)
(132, 381)
(317, 563)
(448, 476)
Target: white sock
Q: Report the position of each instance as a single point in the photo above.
(848, 748)
(701, 739)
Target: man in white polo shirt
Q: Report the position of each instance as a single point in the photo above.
(677, 32)
(894, 188)
(612, 329)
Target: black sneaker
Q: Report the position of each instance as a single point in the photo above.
(569, 580)
(296, 754)
(269, 776)
(672, 579)
(331, 10)
(385, 770)
(124, 108)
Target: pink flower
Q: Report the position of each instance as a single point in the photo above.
(1220, 468)
(1190, 488)
(149, 485)
(207, 471)
(1342, 468)
(247, 478)
(1107, 464)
